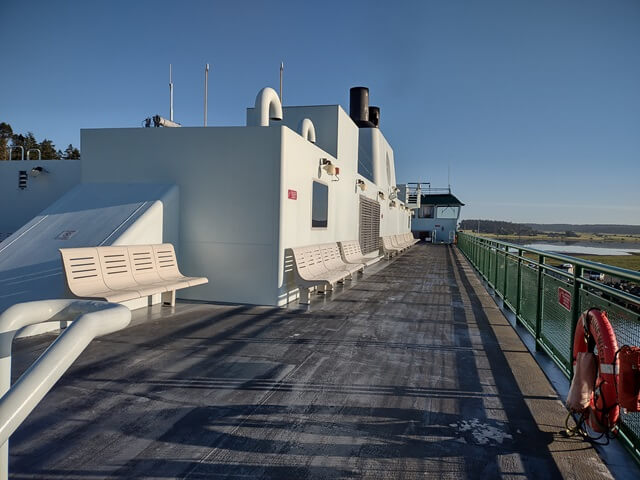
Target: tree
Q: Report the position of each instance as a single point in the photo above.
(27, 142)
(48, 150)
(71, 153)
(6, 132)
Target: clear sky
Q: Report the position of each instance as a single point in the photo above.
(534, 105)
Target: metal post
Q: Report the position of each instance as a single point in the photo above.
(538, 329)
(518, 285)
(281, 74)
(504, 275)
(170, 93)
(575, 310)
(206, 92)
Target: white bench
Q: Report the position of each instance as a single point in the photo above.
(351, 253)
(387, 247)
(333, 259)
(122, 273)
(317, 266)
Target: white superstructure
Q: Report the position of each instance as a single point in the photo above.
(241, 196)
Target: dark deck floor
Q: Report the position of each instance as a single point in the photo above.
(412, 372)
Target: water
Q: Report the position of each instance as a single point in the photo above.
(586, 249)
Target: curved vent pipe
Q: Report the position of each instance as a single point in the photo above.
(268, 106)
(307, 130)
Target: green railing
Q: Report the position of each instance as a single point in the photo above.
(548, 300)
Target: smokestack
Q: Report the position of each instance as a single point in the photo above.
(359, 106)
(374, 116)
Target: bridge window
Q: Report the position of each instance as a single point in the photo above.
(426, 211)
(319, 205)
(447, 212)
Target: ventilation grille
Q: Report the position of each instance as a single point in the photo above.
(22, 179)
(369, 225)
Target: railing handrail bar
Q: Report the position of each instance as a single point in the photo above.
(37, 150)
(11, 147)
(90, 319)
(601, 267)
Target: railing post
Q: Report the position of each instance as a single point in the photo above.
(540, 300)
(504, 283)
(519, 285)
(495, 267)
(575, 311)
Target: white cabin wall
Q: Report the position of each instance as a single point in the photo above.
(228, 179)
(323, 117)
(18, 206)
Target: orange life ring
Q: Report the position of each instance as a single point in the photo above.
(594, 330)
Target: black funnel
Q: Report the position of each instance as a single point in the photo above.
(374, 116)
(359, 106)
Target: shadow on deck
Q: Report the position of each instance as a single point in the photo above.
(411, 372)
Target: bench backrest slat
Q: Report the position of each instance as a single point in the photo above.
(143, 264)
(82, 270)
(166, 261)
(116, 268)
(331, 256)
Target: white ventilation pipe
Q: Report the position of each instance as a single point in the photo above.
(307, 130)
(268, 106)
(90, 319)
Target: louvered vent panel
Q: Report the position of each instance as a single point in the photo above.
(369, 225)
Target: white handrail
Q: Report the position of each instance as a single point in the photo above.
(91, 319)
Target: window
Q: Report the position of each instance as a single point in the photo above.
(447, 212)
(426, 211)
(365, 161)
(319, 205)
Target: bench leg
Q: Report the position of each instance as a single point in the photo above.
(304, 296)
(169, 298)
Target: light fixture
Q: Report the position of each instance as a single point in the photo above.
(381, 194)
(329, 167)
(35, 171)
(360, 183)
(392, 203)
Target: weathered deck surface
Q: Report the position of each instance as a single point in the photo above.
(412, 372)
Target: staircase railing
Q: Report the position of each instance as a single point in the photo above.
(548, 292)
(89, 320)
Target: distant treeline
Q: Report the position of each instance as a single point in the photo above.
(595, 228)
(509, 228)
(497, 227)
(48, 151)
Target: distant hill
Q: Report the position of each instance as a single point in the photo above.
(499, 227)
(594, 228)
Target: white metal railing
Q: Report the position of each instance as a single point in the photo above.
(90, 319)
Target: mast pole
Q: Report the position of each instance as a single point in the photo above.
(170, 93)
(206, 92)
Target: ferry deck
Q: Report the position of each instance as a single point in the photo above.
(411, 371)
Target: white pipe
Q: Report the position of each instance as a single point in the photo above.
(90, 319)
(307, 130)
(268, 106)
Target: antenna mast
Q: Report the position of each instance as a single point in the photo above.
(170, 94)
(281, 71)
(206, 92)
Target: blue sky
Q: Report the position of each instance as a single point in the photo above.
(534, 106)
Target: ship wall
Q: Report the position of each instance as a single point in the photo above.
(301, 166)
(18, 206)
(228, 179)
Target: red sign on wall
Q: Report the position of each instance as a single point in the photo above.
(292, 195)
(564, 298)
